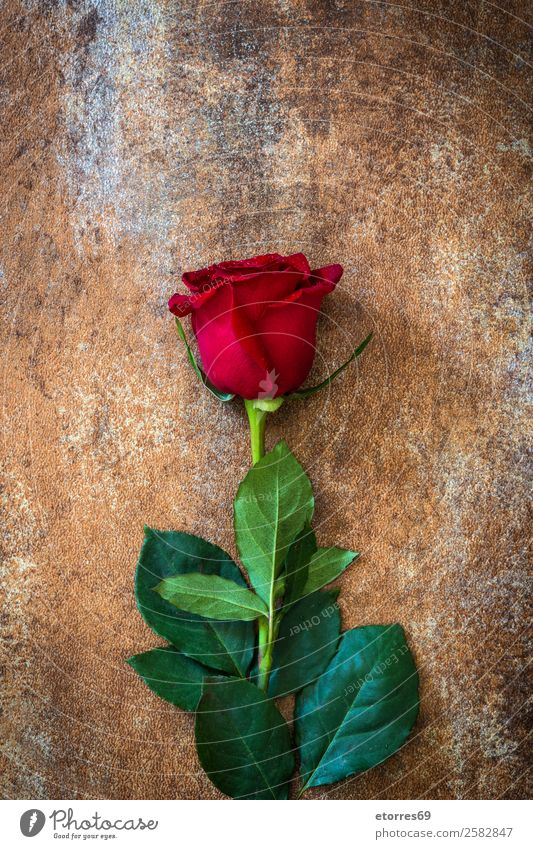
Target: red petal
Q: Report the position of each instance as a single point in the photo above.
(288, 333)
(328, 274)
(180, 305)
(231, 355)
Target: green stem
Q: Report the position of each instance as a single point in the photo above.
(257, 419)
(257, 411)
(265, 654)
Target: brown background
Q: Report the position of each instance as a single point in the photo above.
(142, 139)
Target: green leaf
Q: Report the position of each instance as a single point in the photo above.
(243, 742)
(297, 565)
(361, 710)
(273, 503)
(226, 646)
(212, 596)
(222, 396)
(307, 640)
(305, 393)
(171, 675)
(326, 565)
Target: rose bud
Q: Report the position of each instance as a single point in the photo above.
(255, 321)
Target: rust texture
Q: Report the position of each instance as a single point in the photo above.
(142, 139)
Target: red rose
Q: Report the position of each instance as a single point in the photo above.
(255, 321)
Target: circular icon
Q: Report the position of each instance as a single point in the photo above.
(31, 822)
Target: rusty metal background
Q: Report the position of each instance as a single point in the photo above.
(144, 138)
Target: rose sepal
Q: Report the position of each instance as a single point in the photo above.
(305, 393)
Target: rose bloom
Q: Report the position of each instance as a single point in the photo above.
(255, 321)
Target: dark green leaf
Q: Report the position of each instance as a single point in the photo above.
(307, 640)
(297, 565)
(227, 646)
(222, 396)
(273, 503)
(212, 596)
(171, 675)
(361, 710)
(243, 742)
(304, 393)
(326, 565)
